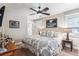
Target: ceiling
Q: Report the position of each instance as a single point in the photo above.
(54, 8)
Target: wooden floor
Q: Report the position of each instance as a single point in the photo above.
(68, 52)
(27, 52)
(23, 52)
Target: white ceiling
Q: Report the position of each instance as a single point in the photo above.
(54, 8)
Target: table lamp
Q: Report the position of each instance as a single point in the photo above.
(67, 30)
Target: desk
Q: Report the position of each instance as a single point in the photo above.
(64, 42)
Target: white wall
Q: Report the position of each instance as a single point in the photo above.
(18, 14)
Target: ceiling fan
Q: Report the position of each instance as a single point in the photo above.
(41, 11)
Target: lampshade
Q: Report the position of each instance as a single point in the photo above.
(67, 30)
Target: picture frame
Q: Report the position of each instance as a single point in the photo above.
(51, 23)
(14, 24)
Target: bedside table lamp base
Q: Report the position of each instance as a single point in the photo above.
(67, 38)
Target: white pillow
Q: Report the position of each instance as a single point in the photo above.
(52, 34)
(48, 33)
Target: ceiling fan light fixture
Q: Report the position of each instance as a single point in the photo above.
(39, 14)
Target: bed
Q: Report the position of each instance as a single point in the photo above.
(42, 46)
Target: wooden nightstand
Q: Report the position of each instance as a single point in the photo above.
(64, 42)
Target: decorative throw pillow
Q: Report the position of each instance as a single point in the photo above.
(43, 33)
(48, 33)
(52, 34)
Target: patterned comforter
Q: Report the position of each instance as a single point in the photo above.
(42, 46)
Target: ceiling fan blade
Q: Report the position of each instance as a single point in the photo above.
(33, 9)
(45, 9)
(46, 13)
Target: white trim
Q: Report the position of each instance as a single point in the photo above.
(72, 14)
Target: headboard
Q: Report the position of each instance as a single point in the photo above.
(50, 32)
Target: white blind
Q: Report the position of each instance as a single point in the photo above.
(72, 21)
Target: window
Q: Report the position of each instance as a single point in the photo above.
(72, 21)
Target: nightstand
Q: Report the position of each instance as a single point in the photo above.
(69, 42)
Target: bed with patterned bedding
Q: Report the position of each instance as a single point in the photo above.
(42, 46)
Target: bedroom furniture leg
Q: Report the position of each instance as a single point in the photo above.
(64, 42)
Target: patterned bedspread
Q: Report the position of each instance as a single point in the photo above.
(42, 46)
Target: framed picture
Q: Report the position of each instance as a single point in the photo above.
(14, 24)
(52, 23)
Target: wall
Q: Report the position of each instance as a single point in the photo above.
(18, 14)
